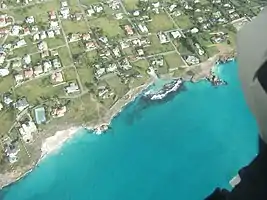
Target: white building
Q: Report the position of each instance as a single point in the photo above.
(29, 20)
(26, 131)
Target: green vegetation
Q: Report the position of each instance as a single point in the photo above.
(157, 47)
(183, 21)
(173, 60)
(160, 22)
(70, 74)
(6, 83)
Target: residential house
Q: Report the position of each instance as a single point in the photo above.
(47, 66)
(158, 62)
(57, 32)
(42, 46)
(52, 15)
(136, 13)
(3, 21)
(21, 104)
(26, 130)
(140, 52)
(1, 106)
(4, 72)
(163, 38)
(192, 60)
(59, 112)
(90, 11)
(90, 46)
(20, 43)
(72, 37)
(7, 99)
(98, 8)
(65, 12)
(44, 54)
(29, 20)
(34, 29)
(143, 28)
(11, 152)
(50, 34)
(86, 37)
(2, 57)
(40, 115)
(176, 34)
(200, 50)
(54, 25)
(111, 68)
(19, 78)
(43, 35)
(64, 4)
(125, 64)
(36, 37)
(72, 88)
(38, 70)
(117, 52)
(124, 44)
(15, 30)
(119, 16)
(172, 7)
(103, 39)
(128, 30)
(56, 63)
(194, 30)
(26, 59)
(28, 73)
(57, 77)
(99, 72)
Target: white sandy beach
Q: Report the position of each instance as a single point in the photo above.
(53, 143)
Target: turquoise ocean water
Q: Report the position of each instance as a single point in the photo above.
(181, 149)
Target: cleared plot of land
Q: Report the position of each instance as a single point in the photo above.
(7, 117)
(110, 27)
(141, 66)
(173, 60)
(89, 2)
(156, 47)
(115, 83)
(38, 88)
(76, 48)
(183, 22)
(36, 58)
(35, 10)
(6, 83)
(211, 51)
(160, 22)
(64, 56)
(70, 74)
(131, 4)
(86, 74)
(74, 26)
(55, 42)
(29, 49)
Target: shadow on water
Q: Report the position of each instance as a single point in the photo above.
(143, 103)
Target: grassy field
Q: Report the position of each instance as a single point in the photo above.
(110, 27)
(55, 42)
(74, 26)
(173, 60)
(160, 22)
(70, 74)
(29, 49)
(115, 83)
(6, 83)
(76, 48)
(183, 22)
(64, 56)
(141, 66)
(34, 89)
(34, 10)
(7, 117)
(157, 47)
(130, 4)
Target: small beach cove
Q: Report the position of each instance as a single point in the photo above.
(159, 151)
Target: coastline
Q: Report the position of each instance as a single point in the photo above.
(54, 143)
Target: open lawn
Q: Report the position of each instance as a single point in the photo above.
(160, 22)
(86, 74)
(35, 89)
(183, 22)
(173, 60)
(76, 48)
(156, 47)
(34, 10)
(55, 42)
(141, 66)
(110, 27)
(70, 74)
(211, 51)
(29, 49)
(7, 118)
(64, 56)
(74, 26)
(130, 4)
(6, 83)
(115, 83)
